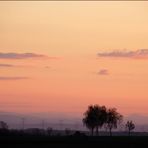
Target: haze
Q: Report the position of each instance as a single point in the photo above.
(80, 53)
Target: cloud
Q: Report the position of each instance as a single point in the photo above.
(11, 65)
(13, 78)
(7, 65)
(13, 55)
(21, 66)
(47, 67)
(138, 54)
(103, 72)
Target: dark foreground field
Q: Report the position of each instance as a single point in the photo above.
(23, 141)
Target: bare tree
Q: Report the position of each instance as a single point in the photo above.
(130, 126)
(113, 119)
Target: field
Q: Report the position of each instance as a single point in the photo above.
(38, 141)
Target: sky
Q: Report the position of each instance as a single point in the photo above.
(60, 57)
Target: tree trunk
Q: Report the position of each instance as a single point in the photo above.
(92, 131)
(110, 132)
(129, 132)
(97, 131)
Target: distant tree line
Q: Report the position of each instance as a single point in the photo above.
(97, 117)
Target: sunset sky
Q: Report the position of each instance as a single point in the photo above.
(59, 57)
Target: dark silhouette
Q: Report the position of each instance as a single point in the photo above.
(96, 116)
(38, 137)
(49, 131)
(67, 132)
(101, 117)
(130, 126)
(89, 119)
(113, 119)
(79, 134)
(3, 125)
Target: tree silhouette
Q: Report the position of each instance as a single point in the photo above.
(113, 119)
(67, 131)
(49, 131)
(101, 117)
(95, 117)
(3, 125)
(89, 119)
(130, 126)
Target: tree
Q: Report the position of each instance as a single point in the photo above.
(101, 117)
(49, 131)
(95, 117)
(89, 119)
(130, 126)
(67, 131)
(113, 119)
(3, 125)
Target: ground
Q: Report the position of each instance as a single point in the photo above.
(38, 141)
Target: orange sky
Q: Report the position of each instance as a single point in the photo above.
(73, 76)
